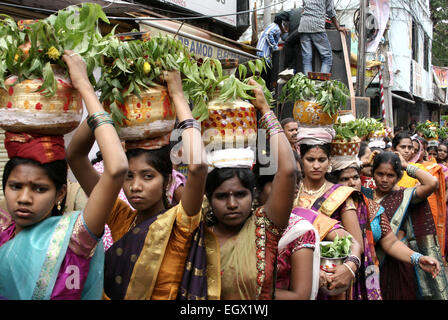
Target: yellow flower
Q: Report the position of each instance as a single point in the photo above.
(16, 57)
(146, 67)
(53, 53)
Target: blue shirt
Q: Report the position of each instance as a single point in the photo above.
(268, 41)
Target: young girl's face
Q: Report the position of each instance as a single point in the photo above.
(432, 153)
(30, 195)
(442, 152)
(144, 185)
(405, 148)
(350, 178)
(231, 202)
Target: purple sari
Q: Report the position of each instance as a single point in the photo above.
(121, 258)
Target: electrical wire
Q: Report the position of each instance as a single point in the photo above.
(153, 19)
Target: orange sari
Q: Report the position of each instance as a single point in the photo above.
(437, 202)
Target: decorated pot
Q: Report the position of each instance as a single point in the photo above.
(24, 109)
(310, 113)
(326, 264)
(345, 148)
(150, 116)
(233, 123)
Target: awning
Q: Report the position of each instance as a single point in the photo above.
(394, 95)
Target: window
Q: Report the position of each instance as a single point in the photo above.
(426, 53)
(414, 40)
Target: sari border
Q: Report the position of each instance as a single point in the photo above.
(49, 272)
(213, 265)
(323, 226)
(144, 275)
(260, 242)
(397, 220)
(335, 200)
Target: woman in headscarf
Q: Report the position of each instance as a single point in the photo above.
(333, 200)
(44, 254)
(298, 274)
(248, 236)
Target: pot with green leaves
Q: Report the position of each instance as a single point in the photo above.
(222, 103)
(132, 86)
(333, 253)
(347, 141)
(36, 94)
(316, 103)
(429, 129)
(25, 109)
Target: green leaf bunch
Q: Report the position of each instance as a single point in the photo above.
(442, 132)
(123, 70)
(201, 82)
(330, 94)
(339, 248)
(425, 128)
(206, 81)
(73, 28)
(360, 127)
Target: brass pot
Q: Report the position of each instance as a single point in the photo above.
(232, 124)
(153, 115)
(24, 109)
(310, 113)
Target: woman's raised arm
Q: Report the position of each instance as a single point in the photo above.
(193, 151)
(280, 202)
(104, 191)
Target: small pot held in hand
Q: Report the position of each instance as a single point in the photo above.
(330, 263)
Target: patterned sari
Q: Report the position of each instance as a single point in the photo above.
(366, 285)
(34, 263)
(401, 281)
(139, 265)
(299, 234)
(248, 261)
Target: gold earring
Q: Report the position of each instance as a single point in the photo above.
(59, 206)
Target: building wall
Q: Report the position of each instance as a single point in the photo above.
(412, 76)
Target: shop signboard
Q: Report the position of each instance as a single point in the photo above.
(224, 9)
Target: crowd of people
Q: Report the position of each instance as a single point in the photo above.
(219, 231)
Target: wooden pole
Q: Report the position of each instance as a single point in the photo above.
(254, 39)
(349, 73)
(361, 69)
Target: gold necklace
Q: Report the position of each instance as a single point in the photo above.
(133, 224)
(312, 192)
